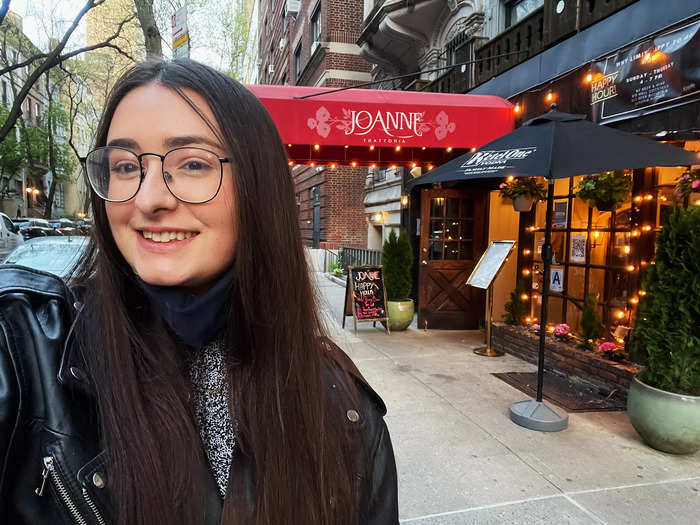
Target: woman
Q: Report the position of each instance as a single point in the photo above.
(184, 377)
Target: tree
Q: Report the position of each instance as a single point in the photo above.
(397, 260)
(11, 158)
(151, 33)
(39, 63)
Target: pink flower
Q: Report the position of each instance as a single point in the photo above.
(502, 185)
(684, 176)
(562, 329)
(607, 346)
(695, 183)
(535, 327)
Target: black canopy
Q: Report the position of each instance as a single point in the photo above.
(557, 145)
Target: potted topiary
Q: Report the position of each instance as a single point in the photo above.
(664, 399)
(516, 308)
(523, 191)
(605, 191)
(397, 259)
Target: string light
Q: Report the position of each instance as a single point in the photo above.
(430, 167)
(423, 148)
(526, 272)
(289, 145)
(642, 292)
(648, 197)
(346, 146)
(596, 234)
(317, 147)
(634, 300)
(646, 228)
(620, 314)
(524, 297)
(589, 77)
(510, 178)
(397, 148)
(291, 163)
(373, 165)
(528, 319)
(371, 148)
(638, 198)
(393, 166)
(413, 164)
(472, 150)
(550, 96)
(631, 268)
(527, 252)
(353, 164)
(333, 165)
(627, 249)
(517, 108)
(531, 228)
(449, 149)
(635, 233)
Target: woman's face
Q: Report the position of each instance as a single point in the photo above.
(154, 119)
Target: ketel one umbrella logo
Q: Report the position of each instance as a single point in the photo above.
(394, 124)
(497, 157)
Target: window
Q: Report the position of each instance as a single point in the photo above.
(316, 24)
(297, 62)
(519, 9)
(284, 18)
(451, 229)
(593, 252)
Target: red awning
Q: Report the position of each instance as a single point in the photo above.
(369, 126)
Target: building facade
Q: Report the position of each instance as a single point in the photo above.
(313, 43)
(627, 64)
(24, 193)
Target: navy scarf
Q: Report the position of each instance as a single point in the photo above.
(197, 320)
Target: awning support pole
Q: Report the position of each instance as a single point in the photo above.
(547, 258)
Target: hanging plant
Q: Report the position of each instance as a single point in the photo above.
(523, 191)
(605, 191)
(688, 183)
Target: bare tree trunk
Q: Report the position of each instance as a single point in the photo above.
(151, 34)
(52, 158)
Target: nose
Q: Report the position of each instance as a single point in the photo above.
(153, 194)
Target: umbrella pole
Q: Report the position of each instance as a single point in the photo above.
(534, 414)
(547, 258)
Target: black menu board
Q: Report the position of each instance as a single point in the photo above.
(365, 297)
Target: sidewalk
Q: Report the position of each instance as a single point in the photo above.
(461, 460)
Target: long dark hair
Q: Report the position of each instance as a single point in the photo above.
(299, 452)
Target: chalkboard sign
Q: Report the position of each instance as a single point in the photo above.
(365, 297)
(490, 264)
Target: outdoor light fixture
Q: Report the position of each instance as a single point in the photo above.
(378, 217)
(35, 191)
(417, 172)
(404, 200)
(29, 190)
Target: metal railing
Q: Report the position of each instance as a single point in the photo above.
(358, 257)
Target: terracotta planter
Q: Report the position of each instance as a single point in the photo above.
(666, 421)
(523, 203)
(400, 314)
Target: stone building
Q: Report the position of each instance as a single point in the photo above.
(313, 43)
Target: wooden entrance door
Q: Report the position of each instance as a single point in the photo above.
(452, 237)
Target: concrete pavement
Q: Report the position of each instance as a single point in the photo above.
(461, 460)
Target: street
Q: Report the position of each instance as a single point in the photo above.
(460, 460)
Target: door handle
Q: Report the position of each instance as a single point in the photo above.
(424, 262)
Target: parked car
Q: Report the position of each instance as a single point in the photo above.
(37, 228)
(85, 225)
(10, 237)
(55, 255)
(66, 227)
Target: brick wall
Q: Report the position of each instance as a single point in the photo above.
(342, 190)
(563, 357)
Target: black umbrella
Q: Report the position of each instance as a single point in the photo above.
(555, 145)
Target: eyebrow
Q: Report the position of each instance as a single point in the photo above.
(170, 142)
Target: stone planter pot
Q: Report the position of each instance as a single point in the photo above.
(666, 421)
(523, 202)
(400, 314)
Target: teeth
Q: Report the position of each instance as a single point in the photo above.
(167, 236)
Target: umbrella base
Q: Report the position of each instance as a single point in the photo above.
(537, 416)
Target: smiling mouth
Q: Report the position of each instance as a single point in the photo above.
(167, 236)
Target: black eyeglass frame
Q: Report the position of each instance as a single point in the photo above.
(222, 160)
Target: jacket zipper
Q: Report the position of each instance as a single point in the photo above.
(93, 507)
(50, 470)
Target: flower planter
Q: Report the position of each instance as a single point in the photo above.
(606, 205)
(523, 203)
(666, 421)
(400, 314)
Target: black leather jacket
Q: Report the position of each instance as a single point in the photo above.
(52, 470)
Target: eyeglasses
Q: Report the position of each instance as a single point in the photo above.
(192, 175)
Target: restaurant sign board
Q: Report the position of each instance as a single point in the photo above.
(659, 69)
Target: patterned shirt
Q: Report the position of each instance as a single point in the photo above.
(207, 372)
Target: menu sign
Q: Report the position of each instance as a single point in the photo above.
(490, 264)
(365, 297)
(656, 70)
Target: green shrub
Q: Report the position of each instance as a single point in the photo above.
(397, 258)
(605, 191)
(666, 335)
(591, 324)
(516, 308)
